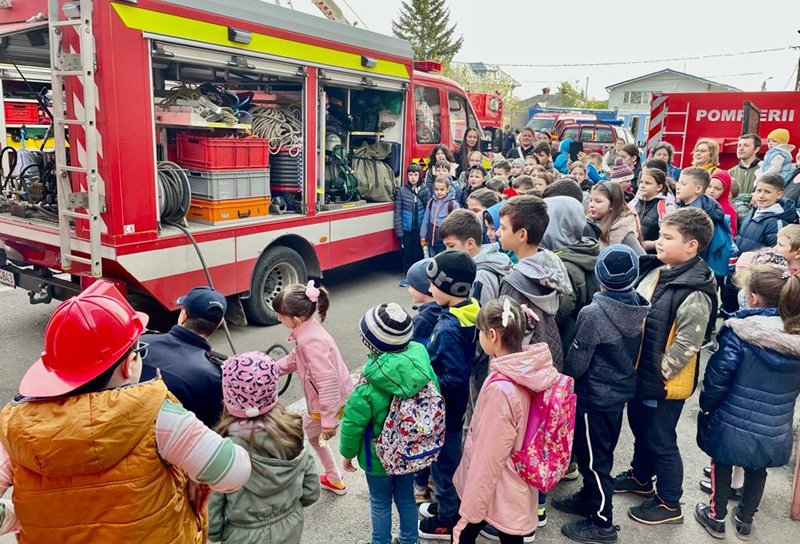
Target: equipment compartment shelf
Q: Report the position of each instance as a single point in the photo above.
(192, 120)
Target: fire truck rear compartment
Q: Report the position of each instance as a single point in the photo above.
(355, 139)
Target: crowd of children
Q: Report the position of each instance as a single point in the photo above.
(608, 278)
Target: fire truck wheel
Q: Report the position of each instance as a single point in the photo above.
(277, 268)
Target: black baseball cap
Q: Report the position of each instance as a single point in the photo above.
(204, 303)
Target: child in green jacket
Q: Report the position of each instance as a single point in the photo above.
(396, 367)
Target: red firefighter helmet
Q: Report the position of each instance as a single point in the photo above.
(84, 337)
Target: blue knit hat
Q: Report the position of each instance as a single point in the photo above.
(386, 328)
(617, 268)
(418, 277)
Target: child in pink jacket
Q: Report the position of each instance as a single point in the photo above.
(491, 491)
(321, 370)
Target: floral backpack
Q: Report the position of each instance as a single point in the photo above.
(547, 446)
(413, 432)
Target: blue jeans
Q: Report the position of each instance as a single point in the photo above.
(382, 489)
(442, 471)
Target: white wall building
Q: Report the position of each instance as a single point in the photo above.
(633, 95)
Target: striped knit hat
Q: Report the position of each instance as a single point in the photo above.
(386, 328)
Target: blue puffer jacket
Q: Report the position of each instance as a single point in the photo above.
(424, 322)
(452, 352)
(749, 392)
(435, 213)
(760, 228)
(406, 203)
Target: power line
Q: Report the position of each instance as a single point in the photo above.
(618, 63)
(573, 78)
(790, 78)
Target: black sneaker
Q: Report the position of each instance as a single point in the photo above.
(743, 530)
(571, 504)
(490, 533)
(624, 482)
(735, 494)
(433, 529)
(587, 530)
(715, 527)
(542, 517)
(429, 509)
(655, 512)
(707, 472)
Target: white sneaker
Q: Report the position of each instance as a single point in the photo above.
(428, 509)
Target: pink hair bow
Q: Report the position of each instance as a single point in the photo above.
(532, 317)
(312, 292)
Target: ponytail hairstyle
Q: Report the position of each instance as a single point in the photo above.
(764, 280)
(302, 301)
(509, 320)
(789, 306)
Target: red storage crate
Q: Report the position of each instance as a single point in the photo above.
(222, 153)
(18, 113)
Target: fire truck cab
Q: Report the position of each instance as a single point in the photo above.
(270, 140)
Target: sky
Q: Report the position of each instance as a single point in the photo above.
(611, 31)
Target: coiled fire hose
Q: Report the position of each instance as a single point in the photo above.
(283, 128)
(175, 193)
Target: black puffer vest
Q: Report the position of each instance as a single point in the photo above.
(672, 288)
(648, 218)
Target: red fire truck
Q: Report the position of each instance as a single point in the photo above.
(489, 108)
(683, 118)
(267, 112)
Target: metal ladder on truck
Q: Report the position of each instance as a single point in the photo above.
(64, 64)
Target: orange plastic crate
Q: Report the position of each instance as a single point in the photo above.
(213, 211)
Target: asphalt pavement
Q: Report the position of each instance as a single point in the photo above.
(342, 520)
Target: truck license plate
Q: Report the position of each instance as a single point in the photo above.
(7, 278)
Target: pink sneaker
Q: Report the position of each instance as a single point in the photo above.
(339, 488)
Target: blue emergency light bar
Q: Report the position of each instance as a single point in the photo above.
(619, 122)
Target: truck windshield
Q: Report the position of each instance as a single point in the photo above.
(542, 123)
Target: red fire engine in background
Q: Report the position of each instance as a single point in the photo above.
(683, 118)
(489, 109)
(267, 112)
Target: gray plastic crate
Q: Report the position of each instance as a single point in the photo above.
(229, 184)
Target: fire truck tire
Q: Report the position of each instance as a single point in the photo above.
(277, 268)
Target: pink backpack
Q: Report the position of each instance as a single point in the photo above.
(547, 446)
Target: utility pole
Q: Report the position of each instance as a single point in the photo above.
(797, 81)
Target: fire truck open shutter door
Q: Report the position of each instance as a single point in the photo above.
(18, 28)
(360, 81)
(224, 59)
(26, 43)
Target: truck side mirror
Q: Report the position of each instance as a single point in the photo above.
(486, 145)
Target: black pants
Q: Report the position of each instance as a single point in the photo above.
(596, 435)
(730, 295)
(472, 530)
(655, 447)
(753, 490)
(412, 250)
